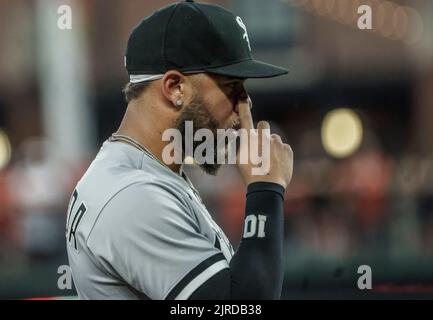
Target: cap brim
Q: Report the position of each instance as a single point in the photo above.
(249, 69)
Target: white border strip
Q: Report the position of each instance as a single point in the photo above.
(202, 278)
(137, 78)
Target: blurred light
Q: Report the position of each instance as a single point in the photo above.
(390, 19)
(329, 5)
(309, 5)
(400, 22)
(385, 15)
(189, 160)
(341, 132)
(343, 11)
(415, 26)
(5, 149)
(319, 6)
(354, 11)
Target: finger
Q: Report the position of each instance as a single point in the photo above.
(263, 125)
(250, 102)
(289, 149)
(276, 137)
(263, 128)
(245, 116)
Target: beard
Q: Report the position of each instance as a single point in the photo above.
(201, 117)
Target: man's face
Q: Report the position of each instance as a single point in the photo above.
(220, 95)
(213, 106)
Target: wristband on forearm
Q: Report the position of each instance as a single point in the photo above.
(257, 266)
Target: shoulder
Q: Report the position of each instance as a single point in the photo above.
(143, 206)
(148, 196)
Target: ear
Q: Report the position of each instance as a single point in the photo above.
(176, 88)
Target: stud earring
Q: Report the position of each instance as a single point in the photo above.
(179, 103)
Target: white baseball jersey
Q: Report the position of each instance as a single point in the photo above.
(137, 230)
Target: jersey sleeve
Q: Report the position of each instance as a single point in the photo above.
(149, 238)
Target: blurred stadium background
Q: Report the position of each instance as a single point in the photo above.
(357, 108)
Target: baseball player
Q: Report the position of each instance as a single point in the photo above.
(136, 227)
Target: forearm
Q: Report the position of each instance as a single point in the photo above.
(257, 267)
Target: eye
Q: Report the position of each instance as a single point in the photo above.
(232, 85)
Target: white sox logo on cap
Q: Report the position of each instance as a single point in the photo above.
(153, 46)
(242, 25)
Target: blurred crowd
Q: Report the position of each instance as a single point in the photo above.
(368, 203)
(34, 193)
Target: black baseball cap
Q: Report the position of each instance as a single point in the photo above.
(194, 37)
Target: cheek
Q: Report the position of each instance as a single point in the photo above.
(222, 108)
(226, 110)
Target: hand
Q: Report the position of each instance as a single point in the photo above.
(277, 157)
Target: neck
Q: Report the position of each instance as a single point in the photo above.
(147, 130)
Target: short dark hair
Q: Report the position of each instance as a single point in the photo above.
(134, 90)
